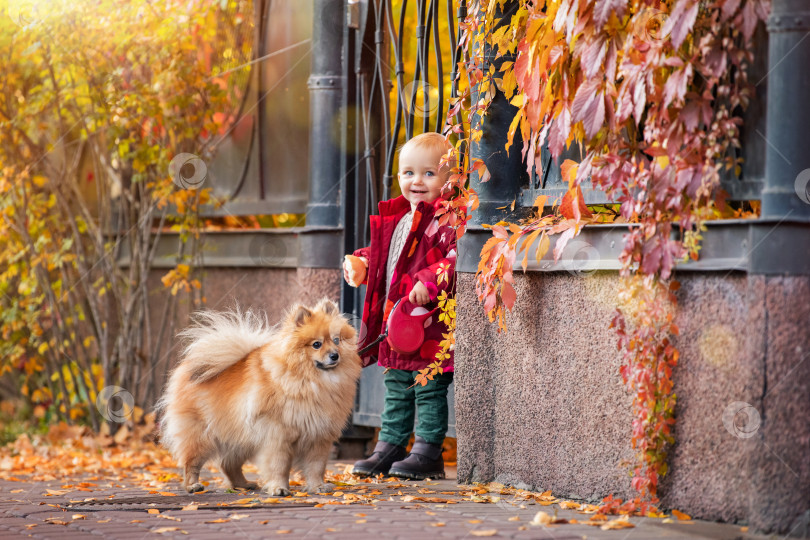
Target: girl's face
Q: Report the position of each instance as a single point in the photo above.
(420, 178)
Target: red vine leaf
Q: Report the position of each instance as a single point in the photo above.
(593, 55)
(603, 9)
(508, 295)
(681, 21)
(573, 203)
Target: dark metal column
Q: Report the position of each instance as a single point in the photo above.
(507, 172)
(780, 240)
(321, 243)
(788, 151)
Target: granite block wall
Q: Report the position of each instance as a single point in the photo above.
(543, 405)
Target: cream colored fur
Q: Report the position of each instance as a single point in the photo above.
(246, 391)
(217, 340)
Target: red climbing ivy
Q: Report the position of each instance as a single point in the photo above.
(652, 92)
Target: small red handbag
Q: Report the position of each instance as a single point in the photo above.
(406, 326)
(405, 329)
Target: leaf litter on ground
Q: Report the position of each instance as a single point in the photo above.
(83, 461)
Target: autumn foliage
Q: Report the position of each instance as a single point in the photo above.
(652, 93)
(98, 98)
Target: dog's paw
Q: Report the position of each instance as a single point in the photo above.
(194, 488)
(250, 486)
(322, 487)
(277, 491)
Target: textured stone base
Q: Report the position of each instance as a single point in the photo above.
(271, 290)
(544, 405)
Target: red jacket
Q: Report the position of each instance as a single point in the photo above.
(428, 248)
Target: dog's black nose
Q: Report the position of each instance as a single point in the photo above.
(334, 356)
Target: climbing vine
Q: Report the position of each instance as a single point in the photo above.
(652, 92)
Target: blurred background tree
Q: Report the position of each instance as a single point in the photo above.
(108, 114)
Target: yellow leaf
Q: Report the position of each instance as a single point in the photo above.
(620, 523)
(569, 171)
(542, 247)
(540, 202)
(527, 242)
(153, 511)
(484, 532)
(541, 518)
(169, 529)
(681, 516)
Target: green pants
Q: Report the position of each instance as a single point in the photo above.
(402, 402)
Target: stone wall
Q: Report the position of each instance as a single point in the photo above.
(543, 406)
(271, 290)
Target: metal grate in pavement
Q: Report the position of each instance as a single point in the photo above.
(174, 503)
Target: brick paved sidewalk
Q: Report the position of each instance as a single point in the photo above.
(429, 509)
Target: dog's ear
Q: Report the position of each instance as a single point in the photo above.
(299, 315)
(328, 307)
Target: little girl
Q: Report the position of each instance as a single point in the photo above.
(408, 251)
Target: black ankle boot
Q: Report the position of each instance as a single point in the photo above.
(424, 461)
(380, 460)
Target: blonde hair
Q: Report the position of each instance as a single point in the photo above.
(432, 141)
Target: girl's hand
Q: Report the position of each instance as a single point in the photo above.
(419, 294)
(354, 270)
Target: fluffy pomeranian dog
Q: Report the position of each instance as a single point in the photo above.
(277, 396)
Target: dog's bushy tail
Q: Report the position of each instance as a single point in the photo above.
(217, 340)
